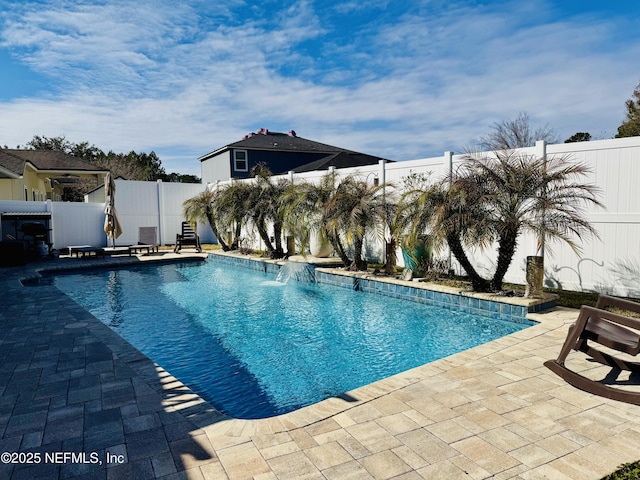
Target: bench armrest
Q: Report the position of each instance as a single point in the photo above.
(605, 315)
(622, 303)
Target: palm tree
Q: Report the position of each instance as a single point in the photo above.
(264, 206)
(201, 209)
(352, 213)
(496, 198)
(341, 212)
(390, 232)
(448, 214)
(230, 210)
(303, 208)
(519, 193)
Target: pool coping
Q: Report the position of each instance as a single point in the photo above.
(202, 413)
(70, 265)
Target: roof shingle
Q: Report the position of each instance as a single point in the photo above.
(50, 160)
(290, 142)
(282, 141)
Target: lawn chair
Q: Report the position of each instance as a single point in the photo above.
(187, 237)
(147, 240)
(621, 334)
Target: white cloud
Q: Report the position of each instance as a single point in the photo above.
(166, 77)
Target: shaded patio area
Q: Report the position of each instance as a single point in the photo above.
(70, 384)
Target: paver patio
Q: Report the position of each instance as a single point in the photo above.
(70, 384)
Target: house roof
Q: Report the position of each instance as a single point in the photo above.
(13, 162)
(289, 142)
(343, 159)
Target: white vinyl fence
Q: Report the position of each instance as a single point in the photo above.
(155, 204)
(71, 223)
(139, 204)
(608, 264)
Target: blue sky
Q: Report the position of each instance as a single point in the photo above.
(402, 80)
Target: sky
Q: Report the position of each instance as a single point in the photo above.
(397, 79)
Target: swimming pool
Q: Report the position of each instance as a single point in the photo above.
(255, 348)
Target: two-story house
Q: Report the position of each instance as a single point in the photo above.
(281, 152)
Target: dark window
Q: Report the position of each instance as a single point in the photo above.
(240, 163)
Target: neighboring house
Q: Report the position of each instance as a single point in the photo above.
(38, 175)
(281, 152)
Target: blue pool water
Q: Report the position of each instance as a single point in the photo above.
(255, 348)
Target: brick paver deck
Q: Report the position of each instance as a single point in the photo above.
(68, 384)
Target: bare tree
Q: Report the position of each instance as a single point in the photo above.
(516, 133)
(120, 166)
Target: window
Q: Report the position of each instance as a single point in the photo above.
(26, 194)
(240, 163)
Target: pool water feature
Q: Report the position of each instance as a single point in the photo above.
(253, 349)
(298, 271)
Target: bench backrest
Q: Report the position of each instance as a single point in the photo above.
(187, 231)
(147, 235)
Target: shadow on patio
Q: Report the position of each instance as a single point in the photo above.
(70, 384)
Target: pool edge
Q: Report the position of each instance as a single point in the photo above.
(236, 430)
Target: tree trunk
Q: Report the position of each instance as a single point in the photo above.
(214, 228)
(478, 283)
(391, 257)
(358, 263)
(337, 246)
(535, 277)
(264, 235)
(506, 248)
(277, 233)
(236, 236)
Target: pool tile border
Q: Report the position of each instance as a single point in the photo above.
(261, 265)
(512, 309)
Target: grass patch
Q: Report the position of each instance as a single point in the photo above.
(628, 471)
(567, 298)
